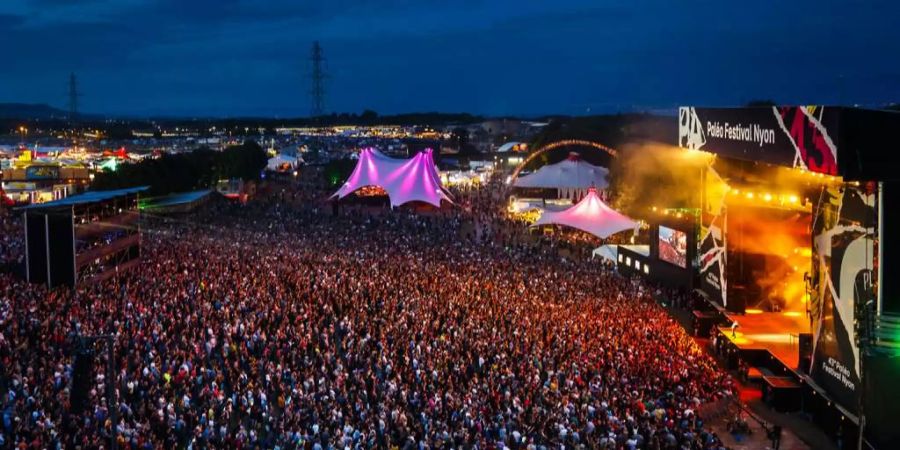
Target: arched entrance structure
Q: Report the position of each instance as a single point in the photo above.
(554, 145)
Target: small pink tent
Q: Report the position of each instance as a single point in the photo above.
(404, 180)
(590, 215)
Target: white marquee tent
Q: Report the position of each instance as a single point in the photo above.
(281, 160)
(572, 177)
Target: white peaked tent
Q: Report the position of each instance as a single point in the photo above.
(280, 160)
(590, 215)
(571, 173)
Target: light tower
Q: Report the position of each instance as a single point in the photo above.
(317, 90)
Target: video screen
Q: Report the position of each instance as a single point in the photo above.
(673, 246)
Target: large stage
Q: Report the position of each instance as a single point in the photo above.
(779, 333)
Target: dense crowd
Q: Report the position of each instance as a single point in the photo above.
(279, 325)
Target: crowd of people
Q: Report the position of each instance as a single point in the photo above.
(280, 324)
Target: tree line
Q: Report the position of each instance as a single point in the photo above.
(182, 172)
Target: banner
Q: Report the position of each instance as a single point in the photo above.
(843, 271)
(19, 186)
(791, 136)
(42, 173)
(712, 260)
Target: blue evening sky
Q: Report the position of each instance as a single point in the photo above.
(493, 57)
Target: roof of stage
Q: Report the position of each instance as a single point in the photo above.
(830, 140)
(183, 198)
(87, 197)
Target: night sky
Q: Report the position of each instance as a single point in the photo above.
(493, 57)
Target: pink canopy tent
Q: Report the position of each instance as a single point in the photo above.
(590, 215)
(404, 180)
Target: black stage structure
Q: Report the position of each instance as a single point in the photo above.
(85, 238)
(794, 237)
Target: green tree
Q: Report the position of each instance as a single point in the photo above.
(338, 170)
(199, 169)
(244, 161)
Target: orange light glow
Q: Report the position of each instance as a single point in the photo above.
(784, 238)
(753, 311)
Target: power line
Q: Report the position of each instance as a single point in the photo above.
(317, 91)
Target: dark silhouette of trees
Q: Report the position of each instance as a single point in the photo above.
(459, 137)
(199, 169)
(338, 170)
(368, 117)
(119, 131)
(242, 161)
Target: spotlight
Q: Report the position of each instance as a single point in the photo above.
(793, 199)
(767, 197)
(750, 195)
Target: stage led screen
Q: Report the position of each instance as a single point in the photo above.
(673, 246)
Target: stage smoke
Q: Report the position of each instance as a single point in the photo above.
(648, 175)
